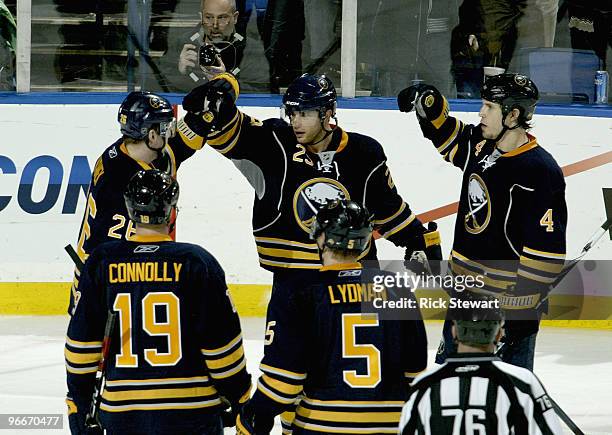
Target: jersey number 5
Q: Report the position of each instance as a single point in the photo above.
(169, 328)
(350, 349)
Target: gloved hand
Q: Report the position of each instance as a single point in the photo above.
(77, 425)
(214, 101)
(516, 330)
(424, 254)
(426, 99)
(248, 423)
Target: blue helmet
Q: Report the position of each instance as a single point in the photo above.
(512, 91)
(309, 92)
(150, 197)
(347, 225)
(140, 111)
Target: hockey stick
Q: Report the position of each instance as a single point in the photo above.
(74, 257)
(595, 238)
(92, 420)
(566, 418)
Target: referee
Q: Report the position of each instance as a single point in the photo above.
(474, 392)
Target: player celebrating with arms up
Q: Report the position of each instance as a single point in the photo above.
(296, 169)
(512, 216)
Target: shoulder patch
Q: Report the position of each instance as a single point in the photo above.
(98, 170)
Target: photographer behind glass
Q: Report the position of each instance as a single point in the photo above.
(207, 50)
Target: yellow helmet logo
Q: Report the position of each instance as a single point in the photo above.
(123, 119)
(429, 101)
(155, 102)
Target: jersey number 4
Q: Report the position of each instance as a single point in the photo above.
(170, 328)
(350, 349)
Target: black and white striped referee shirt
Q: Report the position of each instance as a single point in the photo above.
(477, 394)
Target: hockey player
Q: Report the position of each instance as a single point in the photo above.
(296, 168)
(351, 368)
(475, 392)
(148, 141)
(176, 355)
(512, 216)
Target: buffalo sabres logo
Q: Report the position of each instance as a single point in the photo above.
(323, 84)
(155, 102)
(520, 80)
(479, 206)
(312, 195)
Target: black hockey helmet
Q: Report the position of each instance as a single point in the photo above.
(308, 92)
(150, 197)
(480, 323)
(347, 225)
(512, 91)
(142, 110)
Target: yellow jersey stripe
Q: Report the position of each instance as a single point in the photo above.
(225, 137)
(544, 254)
(354, 403)
(542, 265)
(82, 358)
(164, 393)
(506, 273)
(500, 284)
(81, 370)
(275, 397)
(534, 277)
(360, 417)
(220, 350)
(282, 372)
(283, 387)
(160, 381)
(437, 123)
(229, 372)
(289, 265)
(84, 344)
(216, 364)
(390, 218)
(285, 253)
(400, 227)
(451, 138)
(159, 406)
(277, 241)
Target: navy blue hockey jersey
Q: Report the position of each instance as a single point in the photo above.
(351, 369)
(291, 184)
(177, 346)
(512, 214)
(105, 216)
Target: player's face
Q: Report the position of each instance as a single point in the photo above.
(219, 19)
(490, 119)
(306, 126)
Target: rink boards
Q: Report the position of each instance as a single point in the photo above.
(48, 151)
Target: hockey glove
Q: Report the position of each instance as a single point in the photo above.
(424, 253)
(426, 99)
(248, 423)
(517, 330)
(213, 101)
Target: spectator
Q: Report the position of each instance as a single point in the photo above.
(590, 26)
(8, 31)
(485, 36)
(180, 66)
(283, 34)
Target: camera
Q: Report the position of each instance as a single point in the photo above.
(207, 55)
